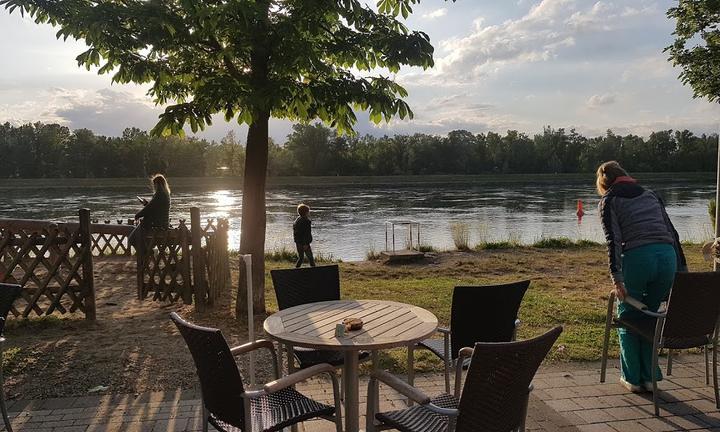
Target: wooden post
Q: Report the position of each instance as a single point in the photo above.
(186, 259)
(140, 260)
(87, 264)
(717, 205)
(198, 263)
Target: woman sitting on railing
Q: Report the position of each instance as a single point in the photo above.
(154, 215)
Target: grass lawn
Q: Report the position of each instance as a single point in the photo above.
(569, 287)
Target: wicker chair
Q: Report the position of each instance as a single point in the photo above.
(298, 286)
(231, 408)
(8, 294)
(494, 397)
(479, 314)
(689, 320)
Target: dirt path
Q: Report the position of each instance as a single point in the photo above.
(133, 347)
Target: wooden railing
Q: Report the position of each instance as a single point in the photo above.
(53, 263)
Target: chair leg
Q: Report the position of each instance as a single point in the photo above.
(669, 362)
(3, 407)
(654, 366)
(447, 358)
(606, 340)
(372, 400)
(206, 414)
(715, 379)
(707, 365)
(521, 428)
(654, 384)
(338, 404)
(410, 369)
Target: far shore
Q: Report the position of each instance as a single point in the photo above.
(236, 182)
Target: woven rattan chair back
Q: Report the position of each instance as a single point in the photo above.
(8, 294)
(495, 392)
(220, 379)
(694, 305)
(299, 286)
(484, 314)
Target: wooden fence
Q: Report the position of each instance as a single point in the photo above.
(53, 261)
(187, 263)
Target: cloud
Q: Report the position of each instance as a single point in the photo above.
(104, 111)
(438, 13)
(598, 100)
(542, 34)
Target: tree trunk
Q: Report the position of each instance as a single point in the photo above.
(252, 235)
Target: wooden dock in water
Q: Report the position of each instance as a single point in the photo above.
(402, 255)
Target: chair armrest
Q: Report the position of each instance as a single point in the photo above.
(402, 387)
(454, 412)
(465, 352)
(297, 377)
(257, 344)
(637, 304)
(252, 346)
(443, 330)
(462, 354)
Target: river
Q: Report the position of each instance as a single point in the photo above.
(349, 214)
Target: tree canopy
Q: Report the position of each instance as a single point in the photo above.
(697, 46)
(293, 59)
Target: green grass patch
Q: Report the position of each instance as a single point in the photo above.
(284, 254)
(563, 243)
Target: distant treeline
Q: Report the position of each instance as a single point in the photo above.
(49, 150)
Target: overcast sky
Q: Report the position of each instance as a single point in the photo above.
(500, 64)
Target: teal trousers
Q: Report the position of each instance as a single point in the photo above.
(649, 272)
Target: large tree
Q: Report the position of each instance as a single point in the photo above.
(697, 51)
(249, 60)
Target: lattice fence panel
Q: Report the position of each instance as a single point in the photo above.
(166, 266)
(53, 264)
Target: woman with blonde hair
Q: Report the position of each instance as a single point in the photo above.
(154, 214)
(644, 253)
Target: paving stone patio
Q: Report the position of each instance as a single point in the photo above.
(566, 401)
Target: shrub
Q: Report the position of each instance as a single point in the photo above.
(460, 235)
(554, 243)
(426, 248)
(712, 208)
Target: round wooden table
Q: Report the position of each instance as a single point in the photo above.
(386, 325)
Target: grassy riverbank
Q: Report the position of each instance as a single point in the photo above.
(570, 286)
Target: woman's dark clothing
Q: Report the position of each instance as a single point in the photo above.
(302, 234)
(156, 213)
(633, 216)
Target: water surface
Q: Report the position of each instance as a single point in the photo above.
(349, 214)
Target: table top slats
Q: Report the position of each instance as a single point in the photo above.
(298, 322)
(327, 325)
(376, 319)
(376, 327)
(301, 314)
(387, 324)
(380, 331)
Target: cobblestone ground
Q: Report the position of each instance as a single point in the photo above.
(562, 401)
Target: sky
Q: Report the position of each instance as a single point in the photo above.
(499, 65)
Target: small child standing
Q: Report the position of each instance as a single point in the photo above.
(302, 234)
